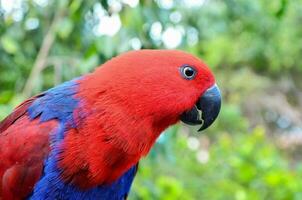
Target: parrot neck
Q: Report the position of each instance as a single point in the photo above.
(107, 141)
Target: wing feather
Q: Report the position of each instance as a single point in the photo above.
(17, 113)
(24, 144)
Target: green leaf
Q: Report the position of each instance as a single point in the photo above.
(9, 44)
(65, 28)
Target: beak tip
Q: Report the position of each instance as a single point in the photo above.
(209, 105)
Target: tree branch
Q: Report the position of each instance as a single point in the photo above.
(41, 58)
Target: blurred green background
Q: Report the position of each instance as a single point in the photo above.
(254, 47)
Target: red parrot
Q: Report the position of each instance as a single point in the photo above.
(83, 139)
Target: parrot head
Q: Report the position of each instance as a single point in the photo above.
(162, 87)
(128, 102)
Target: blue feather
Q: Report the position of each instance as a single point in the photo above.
(59, 103)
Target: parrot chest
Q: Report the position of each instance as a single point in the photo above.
(52, 186)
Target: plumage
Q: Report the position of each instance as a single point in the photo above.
(83, 139)
(22, 150)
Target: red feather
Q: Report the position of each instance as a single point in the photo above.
(24, 144)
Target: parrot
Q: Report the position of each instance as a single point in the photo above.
(84, 138)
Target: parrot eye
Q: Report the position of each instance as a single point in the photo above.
(187, 72)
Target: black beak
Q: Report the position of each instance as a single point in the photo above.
(205, 110)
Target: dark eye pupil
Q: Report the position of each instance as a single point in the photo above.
(189, 72)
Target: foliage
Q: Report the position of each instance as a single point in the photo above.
(247, 166)
(253, 46)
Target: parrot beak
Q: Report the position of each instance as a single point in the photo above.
(205, 111)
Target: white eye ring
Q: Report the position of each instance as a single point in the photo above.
(188, 72)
